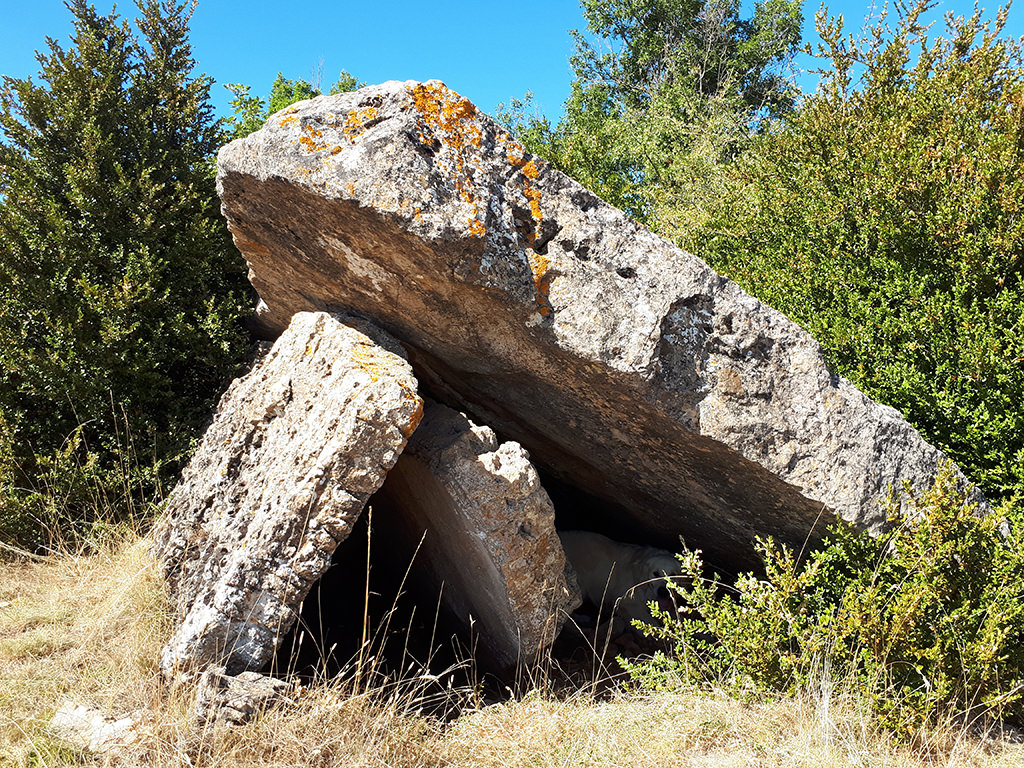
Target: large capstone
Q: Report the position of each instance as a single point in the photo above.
(471, 515)
(296, 448)
(624, 365)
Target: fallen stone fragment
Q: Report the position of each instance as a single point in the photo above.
(623, 364)
(229, 700)
(485, 533)
(295, 449)
(87, 728)
(620, 579)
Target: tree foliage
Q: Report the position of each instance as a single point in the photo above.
(667, 86)
(120, 290)
(251, 112)
(693, 48)
(885, 217)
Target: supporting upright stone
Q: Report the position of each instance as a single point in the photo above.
(483, 532)
(296, 448)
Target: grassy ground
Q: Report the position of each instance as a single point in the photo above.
(89, 629)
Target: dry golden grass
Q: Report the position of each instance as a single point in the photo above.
(89, 629)
(694, 730)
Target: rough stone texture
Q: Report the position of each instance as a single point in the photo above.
(488, 536)
(86, 728)
(295, 449)
(623, 364)
(224, 699)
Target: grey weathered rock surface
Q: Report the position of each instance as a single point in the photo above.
(295, 449)
(488, 535)
(87, 728)
(622, 363)
(224, 699)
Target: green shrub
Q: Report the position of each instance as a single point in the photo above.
(120, 290)
(884, 216)
(928, 619)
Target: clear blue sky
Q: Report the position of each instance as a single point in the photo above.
(488, 51)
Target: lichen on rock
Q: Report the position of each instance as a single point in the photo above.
(624, 365)
(296, 448)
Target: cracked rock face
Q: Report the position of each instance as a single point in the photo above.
(229, 700)
(623, 364)
(483, 531)
(296, 448)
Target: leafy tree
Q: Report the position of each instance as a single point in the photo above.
(284, 92)
(689, 52)
(885, 217)
(671, 85)
(120, 291)
(251, 112)
(345, 83)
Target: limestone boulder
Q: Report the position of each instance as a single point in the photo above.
(295, 449)
(87, 728)
(230, 700)
(472, 511)
(624, 365)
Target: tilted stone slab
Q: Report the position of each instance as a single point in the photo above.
(483, 531)
(296, 448)
(622, 363)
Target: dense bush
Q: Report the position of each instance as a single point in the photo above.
(927, 619)
(120, 290)
(884, 215)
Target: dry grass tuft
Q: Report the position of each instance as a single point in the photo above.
(89, 629)
(694, 730)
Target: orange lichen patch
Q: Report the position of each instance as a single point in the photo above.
(538, 264)
(417, 417)
(288, 120)
(542, 278)
(533, 195)
(543, 299)
(311, 141)
(356, 120)
(450, 119)
(516, 154)
(476, 227)
(443, 109)
(369, 359)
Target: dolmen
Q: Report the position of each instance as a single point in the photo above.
(459, 328)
